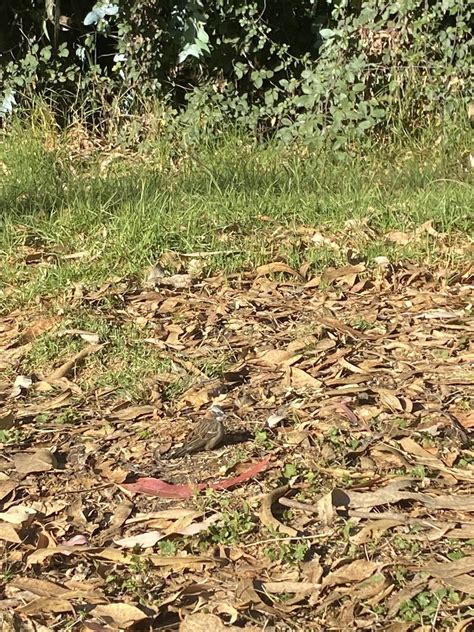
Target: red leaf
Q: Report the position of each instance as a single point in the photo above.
(158, 487)
(241, 478)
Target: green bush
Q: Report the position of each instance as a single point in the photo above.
(313, 71)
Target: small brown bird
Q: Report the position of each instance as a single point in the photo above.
(208, 434)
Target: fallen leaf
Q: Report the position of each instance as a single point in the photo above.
(277, 588)
(398, 237)
(19, 515)
(299, 379)
(6, 487)
(355, 571)
(157, 487)
(133, 412)
(325, 509)
(347, 274)
(279, 357)
(8, 533)
(276, 266)
(68, 366)
(142, 540)
(446, 570)
(201, 622)
(59, 401)
(123, 615)
(466, 419)
(7, 420)
(120, 557)
(40, 587)
(41, 460)
(266, 515)
(43, 605)
(22, 383)
(454, 574)
(37, 328)
(88, 336)
(176, 281)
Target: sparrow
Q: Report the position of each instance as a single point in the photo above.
(208, 434)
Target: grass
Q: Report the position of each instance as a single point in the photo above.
(124, 363)
(67, 218)
(232, 196)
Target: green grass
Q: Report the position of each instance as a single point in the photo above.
(245, 200)
(124, 363)
(232, 195)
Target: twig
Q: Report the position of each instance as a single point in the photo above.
(83, 490)
(289, 539)
(295, 504)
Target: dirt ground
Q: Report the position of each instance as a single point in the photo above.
(341, 497)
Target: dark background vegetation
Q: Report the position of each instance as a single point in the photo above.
(306, 70)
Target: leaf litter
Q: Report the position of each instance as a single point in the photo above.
(342, 495)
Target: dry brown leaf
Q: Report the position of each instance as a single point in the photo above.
(165, 516)
(7, 419)
(355, 571)
(389, 494)
(40, 587)
(88, 336)
(246, 595)
(347, 274)
(133, 412)
(427, 227)
(68, 366)
(454, 574)
(338, 325)
(279, 357)
(399, 237)
(266, 515)
(43, 605)
(175, 562)
(465, 532)
(277, 588)
(120, 557)
(142, 540)
(176, 281)
(414, 449)
(201, 622)
(389, 399)
(63, 399)
(195, 527)
(37, 328)
(6, 487)
(447, 570)
(198, 396)
(466, 419)
(20, 515)
(299, 379)
(41, 460)
(463, 583)
(325, 509)
(371, 589)
(374, 530)
(276, 266)
(8, 533)
(123, 615)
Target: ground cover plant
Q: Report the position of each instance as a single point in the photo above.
(322, 302)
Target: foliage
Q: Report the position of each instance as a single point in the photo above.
(306, 70)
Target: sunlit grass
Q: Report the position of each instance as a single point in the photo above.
(105, 217)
